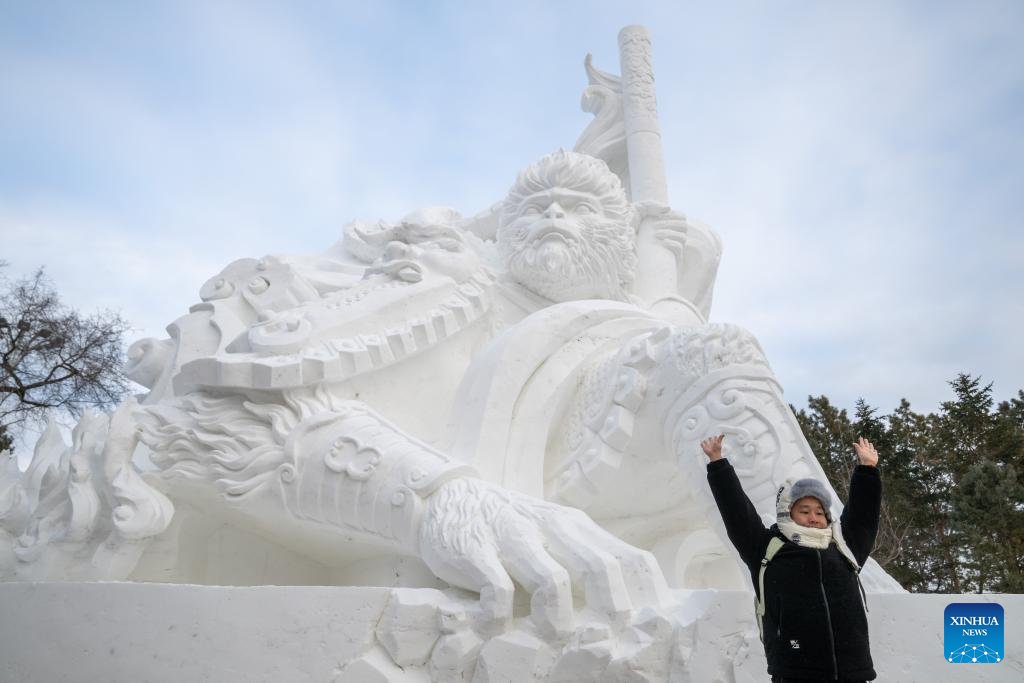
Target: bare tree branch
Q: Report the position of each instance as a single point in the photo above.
(52, 357)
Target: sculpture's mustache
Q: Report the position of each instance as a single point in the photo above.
(561, 229)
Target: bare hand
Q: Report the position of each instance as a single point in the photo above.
(712, 447)
(866, 453)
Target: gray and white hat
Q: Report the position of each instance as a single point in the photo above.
(792, 491)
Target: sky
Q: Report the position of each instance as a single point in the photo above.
(862, 162)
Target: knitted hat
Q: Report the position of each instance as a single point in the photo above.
(792, 491)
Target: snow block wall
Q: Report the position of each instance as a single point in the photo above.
(57, 632)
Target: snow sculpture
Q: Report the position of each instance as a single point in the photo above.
(482, 411)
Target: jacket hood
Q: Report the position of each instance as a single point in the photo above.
(795, 489)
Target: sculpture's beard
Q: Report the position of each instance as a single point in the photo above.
(593, 261)
(552, 258)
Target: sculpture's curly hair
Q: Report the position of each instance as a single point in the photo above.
(573, 171)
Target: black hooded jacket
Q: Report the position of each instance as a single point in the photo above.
(815, 625)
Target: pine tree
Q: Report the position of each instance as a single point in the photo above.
(953, 510)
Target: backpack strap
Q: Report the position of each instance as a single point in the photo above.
(774, 545)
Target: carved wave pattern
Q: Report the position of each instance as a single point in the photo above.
(692, 364)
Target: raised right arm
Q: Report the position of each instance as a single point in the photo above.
(742, 523)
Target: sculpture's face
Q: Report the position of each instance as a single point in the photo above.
(423, 249)
(567, 243)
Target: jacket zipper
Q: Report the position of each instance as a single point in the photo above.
(863, 596)
(864, 603)
(778, 626)
(828, 615)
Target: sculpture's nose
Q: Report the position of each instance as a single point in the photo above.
(554, 210)
(396, 250)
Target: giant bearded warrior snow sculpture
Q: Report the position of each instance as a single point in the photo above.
(511, 401)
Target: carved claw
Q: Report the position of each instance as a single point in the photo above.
(483, 538)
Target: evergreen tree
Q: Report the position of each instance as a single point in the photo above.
(990, 519)
(912, 490)
(830, 434)
(952, 518)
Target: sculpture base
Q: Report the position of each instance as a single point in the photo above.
(52, 632)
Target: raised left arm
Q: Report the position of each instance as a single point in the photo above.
(859, 520)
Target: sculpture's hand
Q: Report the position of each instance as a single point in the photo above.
(481, 537)
(866, 453)
(661, 243)
(678, 259)
(668, 227)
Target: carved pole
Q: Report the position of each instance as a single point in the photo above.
(661, 234)
(640, 114)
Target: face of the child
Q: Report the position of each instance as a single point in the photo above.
(809, 512)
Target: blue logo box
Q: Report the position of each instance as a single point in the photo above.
(973, 633)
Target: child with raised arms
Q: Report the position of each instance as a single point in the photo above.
(805, 567)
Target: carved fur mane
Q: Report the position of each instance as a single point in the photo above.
(236, 443)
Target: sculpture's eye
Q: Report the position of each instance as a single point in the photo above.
(258, 285)
(585, 209)
(533, 209)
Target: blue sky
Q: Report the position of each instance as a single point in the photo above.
(863, 162)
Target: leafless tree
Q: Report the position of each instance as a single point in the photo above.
(52, 358)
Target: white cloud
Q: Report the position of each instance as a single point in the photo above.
(862, 162)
